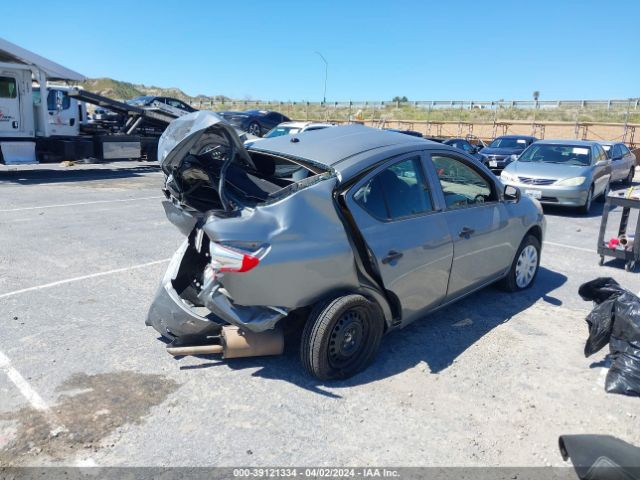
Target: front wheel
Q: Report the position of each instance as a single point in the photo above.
(630, 175)
(524, 267)
(341, 337)
(586, 208)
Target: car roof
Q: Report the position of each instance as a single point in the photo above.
(608, 142)
(302, 124)
(529, 137)
(345, 142)
(574, 143)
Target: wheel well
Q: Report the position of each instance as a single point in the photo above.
(536, 231)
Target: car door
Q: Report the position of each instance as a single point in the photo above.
(618, 165)
(602, 169)
(405, 232)
(477, 219)
(628, 161)
(10, 118)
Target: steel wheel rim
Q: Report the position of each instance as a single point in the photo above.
(348, 337)
(254, 129)
(526, 266)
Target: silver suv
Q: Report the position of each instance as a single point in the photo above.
(354, 230)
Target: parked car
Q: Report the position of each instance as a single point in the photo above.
(289, 128)
(413, 133)
(354, 230)
(561, 172)
(504, 150)
(466, 146)
(166, 104)
(623, 162)
(255, 122)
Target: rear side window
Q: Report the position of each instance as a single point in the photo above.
(396, 192)
(8, 87)
(462, 185)
(624, 150)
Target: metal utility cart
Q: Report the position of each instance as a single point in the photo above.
(631, 256)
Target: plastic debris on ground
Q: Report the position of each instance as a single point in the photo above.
(615, 320)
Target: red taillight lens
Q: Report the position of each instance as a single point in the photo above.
(227, 259)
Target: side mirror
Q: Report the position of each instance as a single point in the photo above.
(512, 193)
(602, 163)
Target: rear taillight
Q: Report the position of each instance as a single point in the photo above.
(227, 259)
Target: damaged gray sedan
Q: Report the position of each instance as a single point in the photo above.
(353, 231)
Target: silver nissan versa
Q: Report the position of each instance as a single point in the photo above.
(351, 231)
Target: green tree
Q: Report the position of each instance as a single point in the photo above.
(536, 95)
(398, 99)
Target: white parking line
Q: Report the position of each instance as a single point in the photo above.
(18, 380)
(83, 277)
(34, 399)
(581, 249)
(21, 209)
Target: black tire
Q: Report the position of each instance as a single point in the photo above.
(586, 208)
(254, 129)
(341, 337)
(629, 179)
(603, 197)
(509, 283)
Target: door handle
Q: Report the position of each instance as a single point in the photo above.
(466, 232)
(391, 256)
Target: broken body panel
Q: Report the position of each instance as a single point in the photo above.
(274, 229)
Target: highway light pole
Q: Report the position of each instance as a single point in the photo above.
(326, 70)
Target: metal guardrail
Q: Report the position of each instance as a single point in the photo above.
(612, 104)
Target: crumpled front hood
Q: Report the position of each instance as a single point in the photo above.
(186, 135)
(547, 170)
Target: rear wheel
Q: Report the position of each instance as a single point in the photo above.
(341, 337)
(254, 129)
(524, 267)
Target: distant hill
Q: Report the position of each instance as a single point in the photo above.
(119, 90)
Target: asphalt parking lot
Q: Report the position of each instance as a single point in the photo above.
(490, 381)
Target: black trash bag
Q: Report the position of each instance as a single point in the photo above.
(615, 320)
(600, 289)
(624, 374)
(624, 345)
(603, 291)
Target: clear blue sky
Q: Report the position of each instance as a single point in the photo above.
(376, 49)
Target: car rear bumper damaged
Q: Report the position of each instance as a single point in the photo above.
(178, 314)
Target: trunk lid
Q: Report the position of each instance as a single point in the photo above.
(208, 169)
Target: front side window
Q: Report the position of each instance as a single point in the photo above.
(396, 192)
(8, 87)
(624, 150)
(462, 185)
(615, 152)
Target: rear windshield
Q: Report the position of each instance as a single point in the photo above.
(509, 143)
(565, 154)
